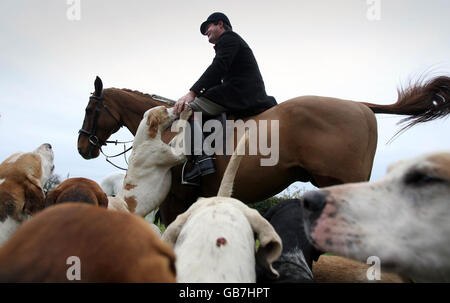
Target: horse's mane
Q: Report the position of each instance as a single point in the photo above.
(136, 92)
(154, 99)
(130, 91)
(140, 96)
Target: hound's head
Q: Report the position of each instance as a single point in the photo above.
(22, 176)
(156, 120)
(401, 218)
(77, 190)
(270, 243)
(47, 157)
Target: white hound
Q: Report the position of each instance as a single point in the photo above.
(148, 179)
(402, 219)
(112, 184)
(214, 239)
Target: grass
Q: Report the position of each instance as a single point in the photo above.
(161, 226)
(263, 206)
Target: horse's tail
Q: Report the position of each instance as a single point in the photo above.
(421, 101)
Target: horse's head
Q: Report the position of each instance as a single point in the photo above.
(100, 121)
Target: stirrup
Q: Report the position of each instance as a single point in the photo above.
(210, 170)
(183, 181)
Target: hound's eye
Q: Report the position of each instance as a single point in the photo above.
(420, 179)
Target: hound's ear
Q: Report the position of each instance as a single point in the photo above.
(102, 199)
(8, 205)
(153, 124)
(34, 197)
(98, 84)
(270, 243)
(172, 231)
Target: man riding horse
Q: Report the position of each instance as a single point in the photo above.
(232, 83)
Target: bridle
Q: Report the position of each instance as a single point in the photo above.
(94, 141)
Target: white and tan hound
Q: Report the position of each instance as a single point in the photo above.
(402, 219)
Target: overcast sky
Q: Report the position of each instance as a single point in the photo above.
(346, 49)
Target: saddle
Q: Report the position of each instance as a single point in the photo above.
(203, 165)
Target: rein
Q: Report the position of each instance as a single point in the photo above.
(124, 153)
(163, 100)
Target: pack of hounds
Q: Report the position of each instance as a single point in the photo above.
(402, 219)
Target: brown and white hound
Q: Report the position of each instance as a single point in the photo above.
(109, 246)
(22, 176)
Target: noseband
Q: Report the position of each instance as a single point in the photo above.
(94, 141)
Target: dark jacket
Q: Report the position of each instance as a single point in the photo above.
(233, 79)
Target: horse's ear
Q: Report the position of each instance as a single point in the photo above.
(98, 84)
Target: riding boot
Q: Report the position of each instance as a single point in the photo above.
(202, 164)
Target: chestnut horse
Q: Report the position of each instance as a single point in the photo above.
(323, 140)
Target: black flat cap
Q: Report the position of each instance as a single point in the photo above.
(213, 18)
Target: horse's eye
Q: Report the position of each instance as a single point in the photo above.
(88, 111)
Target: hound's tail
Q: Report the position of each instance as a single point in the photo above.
(226, 186)
(422, 101)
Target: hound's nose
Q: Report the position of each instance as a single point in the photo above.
(48, 145)
(313, 202)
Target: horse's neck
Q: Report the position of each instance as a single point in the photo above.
(132, 107)
(131, 121)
